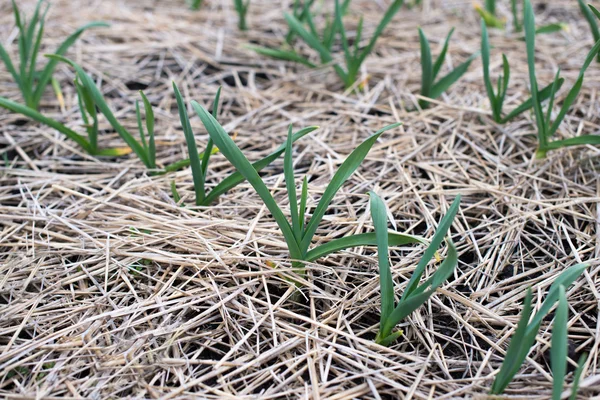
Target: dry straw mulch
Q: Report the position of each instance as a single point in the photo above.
(108, 289)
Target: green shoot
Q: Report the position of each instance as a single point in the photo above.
(558, 351)
(30, 81)
(199, 162)
(588, 13)
(524, 336)
(354, 55)
(174, 192)
(300, 233)
(577, 376)
(489, 16)
(490, 6)
(92, 98)
(415, 295)
(241, 8)
(429, 87)
(560, 344)
(497, 99)
(195, 4)
(517, 25)
(546, 127)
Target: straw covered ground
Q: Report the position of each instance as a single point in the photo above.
(109, 289)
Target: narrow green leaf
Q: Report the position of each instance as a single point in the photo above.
(150, 127)
(572, 95)
(362, 239)
(551, 28)
(518, 348)
(191, 146)
(529, 22)
(285, 55)
(418, 297)
(448, 80)
(175, 193)
(386, 284)
(98, 99)
(551, 102)
(566, 278)
(595, 11)
(31, 113)
(303, 199)
(485, 60)
(426, 67)
(290, 183)
(435, 243)
(543, 95)
(315, 43)
(440, 60)
(558, 352)
(10, 67)
(342, 174)
(138, 116)
(589, 16)
(235, 156)
(577, 376)
(48, 70)
(237, 178)
(387, 18)
(574, 141)
(209, 146)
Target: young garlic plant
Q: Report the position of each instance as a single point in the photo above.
(414, 295)
(33, 82)
(300, 233)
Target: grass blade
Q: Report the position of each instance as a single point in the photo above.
(572, 95)
(435, 243)
(485, 60)
(411, 303)
(543, 95)
(48, 70)
(314, 42)
(574, 141)
(235, 156)
(362, 239)
(342, 174)
(10, 66)
(191, 146)
(440, 60)
(426, 67)
(558, 352)
(551, 28)
(138, 117)
(529, 22)
(150, 128)
(566, 278)
(98, 99)
(175, 193)
(288, 171)
(303, 199)
(591, 19)
(236, 178)
(445, 82)
(551, 102)
(386, 284)
(285, 55)
(577, 376)
(387, 18)
(31, 113)
(209, 146)
(518, 348)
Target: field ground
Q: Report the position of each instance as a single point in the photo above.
(109, 289)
